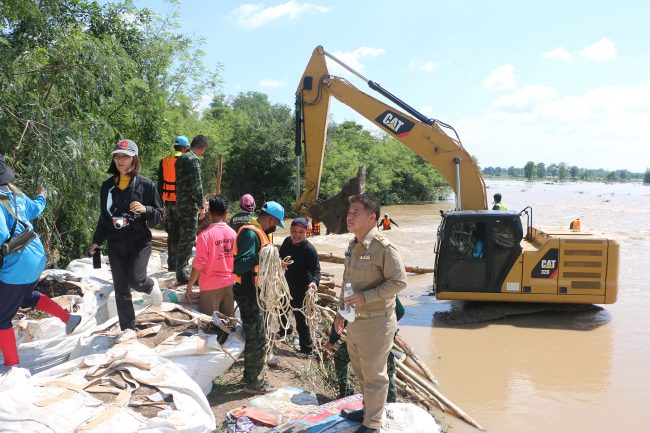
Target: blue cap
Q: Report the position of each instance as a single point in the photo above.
(275, 209)
(300, 221)
(181, 140)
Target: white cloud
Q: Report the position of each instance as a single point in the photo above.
(503, 77)
(353, 58)
(251, 15)
(426, 66)
(535, 123)
(271, 84)
(557, 53)
(525, 98)
(600, 51)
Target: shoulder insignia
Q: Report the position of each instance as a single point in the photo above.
(382, 240)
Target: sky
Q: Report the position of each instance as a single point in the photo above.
(519, 80)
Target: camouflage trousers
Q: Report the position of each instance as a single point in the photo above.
(254, 331)
(172, 227)
(188, 225)
(341, 366)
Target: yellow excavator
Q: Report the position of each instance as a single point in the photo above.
(516, 265)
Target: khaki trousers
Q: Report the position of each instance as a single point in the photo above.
(369, 342)
(217, 300)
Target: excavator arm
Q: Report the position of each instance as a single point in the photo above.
(422, 135)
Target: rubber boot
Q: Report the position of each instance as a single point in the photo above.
(8, 346)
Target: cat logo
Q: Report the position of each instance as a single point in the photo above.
(547, 266)
(394, 123)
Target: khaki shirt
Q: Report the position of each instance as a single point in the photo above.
(375, 268)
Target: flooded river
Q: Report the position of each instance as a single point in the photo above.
(559, 372)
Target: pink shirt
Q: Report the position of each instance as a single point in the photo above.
(214, 257)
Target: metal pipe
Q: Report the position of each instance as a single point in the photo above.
(297, 177)
(459, 201)
(358, 74)
(377, 88)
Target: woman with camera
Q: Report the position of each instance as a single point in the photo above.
(128, 202)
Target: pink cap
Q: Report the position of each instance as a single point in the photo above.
(247, 203)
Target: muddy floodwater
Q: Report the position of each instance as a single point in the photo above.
(554, 372)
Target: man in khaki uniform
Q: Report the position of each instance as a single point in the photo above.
(375, 270)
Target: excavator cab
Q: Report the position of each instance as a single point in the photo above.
(476, 250)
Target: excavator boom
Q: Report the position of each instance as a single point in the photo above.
(422, 135)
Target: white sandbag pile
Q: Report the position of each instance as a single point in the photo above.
(128, 388)
(199, 354)
(85, 382)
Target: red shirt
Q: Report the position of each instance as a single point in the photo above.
(214, 257)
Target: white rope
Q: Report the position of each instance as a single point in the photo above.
(273, 296)
(312, 317)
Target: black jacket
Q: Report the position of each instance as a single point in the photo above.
(305, 268)
(140, 189)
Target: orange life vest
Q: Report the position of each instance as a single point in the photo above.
(308, 230)
(264, 240)
(316, 229)
(386, 223)
(169, 178)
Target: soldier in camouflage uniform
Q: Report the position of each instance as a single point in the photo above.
(189, 203)
(342, 361)
(251, 238)
(167, 191)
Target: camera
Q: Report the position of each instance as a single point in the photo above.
(120, 222)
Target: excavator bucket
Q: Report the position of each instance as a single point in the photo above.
(333, 211)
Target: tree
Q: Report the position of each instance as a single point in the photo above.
(541, 169)
(530, 170)
(574, 171)
(646, 177)
(562, 171)
(552, 170)
(76, 76)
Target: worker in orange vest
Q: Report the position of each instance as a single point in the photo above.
(315, 229)
(309, 231)
(167, 190)
(386, 222)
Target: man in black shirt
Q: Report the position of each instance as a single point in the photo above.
(302, 275)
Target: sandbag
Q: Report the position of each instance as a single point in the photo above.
(55, 400)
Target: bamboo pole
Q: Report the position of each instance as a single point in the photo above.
(219, 173)
(414, 356)
(335, 258)
(414, 395)
(421, 391)
(445, 401)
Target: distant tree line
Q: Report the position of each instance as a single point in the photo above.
(563, 171)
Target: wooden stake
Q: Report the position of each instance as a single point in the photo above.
(219, 172)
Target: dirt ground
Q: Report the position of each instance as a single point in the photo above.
(228, 389)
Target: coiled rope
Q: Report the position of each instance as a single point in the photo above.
(274, 296)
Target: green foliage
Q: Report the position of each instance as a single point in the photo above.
(530, 170)
(74, 78)
(646, 177)
(394, 173)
